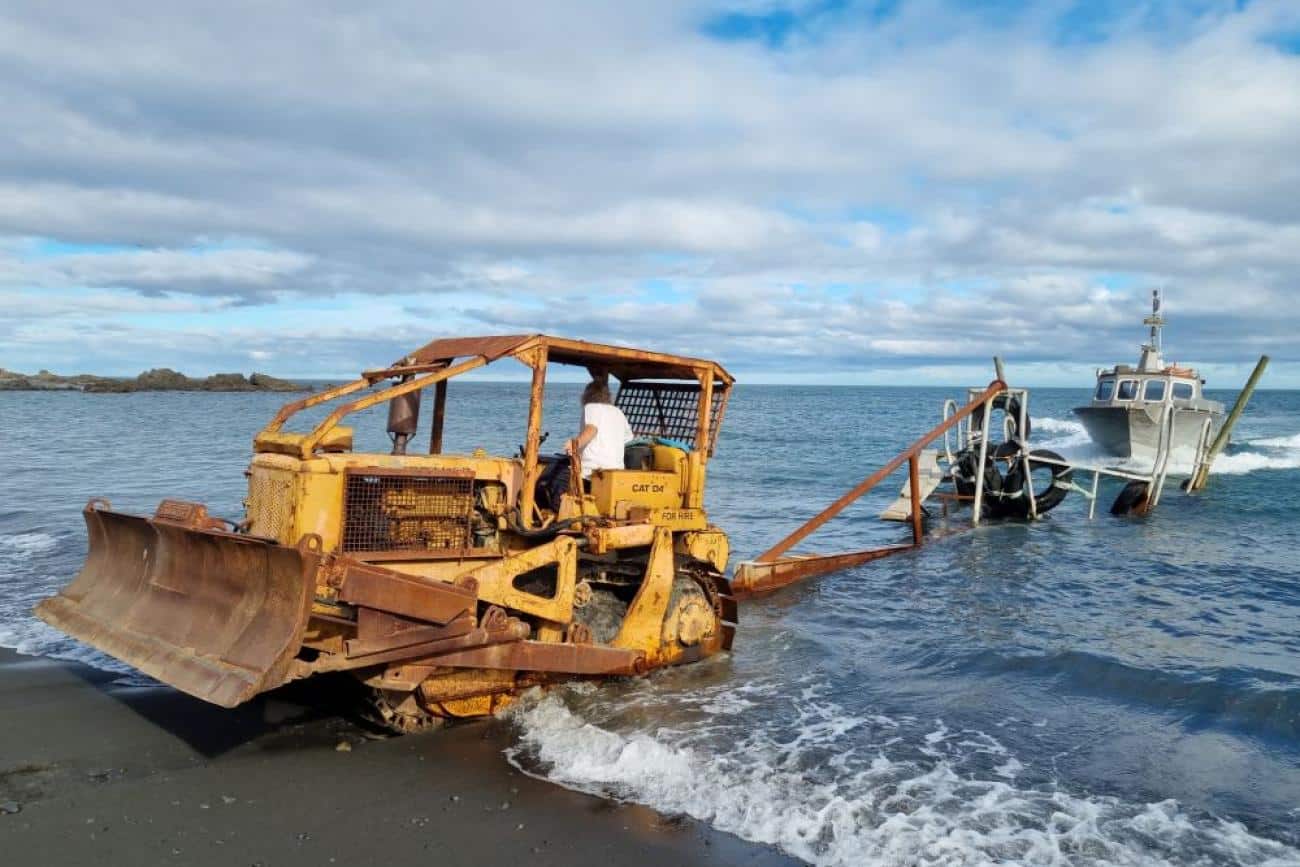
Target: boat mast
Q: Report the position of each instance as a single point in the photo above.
(1151, 360)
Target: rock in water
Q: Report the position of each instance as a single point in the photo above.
(263, 382)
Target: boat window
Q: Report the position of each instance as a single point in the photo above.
(1105, 389)
(1182, 391)
(1155, 390)
(1128, 389)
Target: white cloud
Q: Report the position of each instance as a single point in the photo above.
(541, 165)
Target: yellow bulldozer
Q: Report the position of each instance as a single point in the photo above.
(445, 583)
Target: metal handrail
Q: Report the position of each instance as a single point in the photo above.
(984, 400)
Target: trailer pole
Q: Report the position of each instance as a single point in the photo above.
(1202, 473)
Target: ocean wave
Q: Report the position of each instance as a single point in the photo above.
(1240, 463)
(1291, 442)
(27, 543)
(896, 794)
(25, 634)
(1257, 701)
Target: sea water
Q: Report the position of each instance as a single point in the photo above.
(1114, 691)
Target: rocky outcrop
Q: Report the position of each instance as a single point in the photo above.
(265, 382)
(157, 379)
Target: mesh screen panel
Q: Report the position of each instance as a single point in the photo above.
(397, 511)
(667, 409)
(270, 506)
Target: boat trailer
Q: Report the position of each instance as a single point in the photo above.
(973, 469)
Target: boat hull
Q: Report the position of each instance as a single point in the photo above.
(1135, 431)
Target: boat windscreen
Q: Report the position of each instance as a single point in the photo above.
(1183, 391)
(1155, 390)
(1105, 388)
(1128, 389)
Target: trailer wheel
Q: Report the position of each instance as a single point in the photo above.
(963, 479)
(1135, 499)
(1045, 500)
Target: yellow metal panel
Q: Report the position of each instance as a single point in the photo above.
(496, 580)
(289, 497)
(642, 628)
(673, 519)
(604, 539)
(695, 485)
(669, 459)
(709, 546)
(634, 488)
(278, 442)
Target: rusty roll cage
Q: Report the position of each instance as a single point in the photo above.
(440, 360)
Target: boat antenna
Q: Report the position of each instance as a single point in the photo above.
(1151, 350)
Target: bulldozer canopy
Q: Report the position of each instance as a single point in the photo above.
(620, 361)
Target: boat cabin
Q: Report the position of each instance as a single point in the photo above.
(1177, 385)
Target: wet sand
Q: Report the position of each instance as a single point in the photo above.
(102, 773)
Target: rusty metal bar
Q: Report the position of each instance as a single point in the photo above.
(403, 370)
(545, 656)
(439, 416)
(755, 578)
(532, 440)
(914, 482)
(387, 394)
(996, 387)
(388, 590)
(413, 633)
(704, 415)
(290, 409)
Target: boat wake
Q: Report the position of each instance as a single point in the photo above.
(834, 788)
(1071, 440)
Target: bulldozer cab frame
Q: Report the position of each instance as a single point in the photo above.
(678, 398)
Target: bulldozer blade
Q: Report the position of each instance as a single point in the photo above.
(215, 614)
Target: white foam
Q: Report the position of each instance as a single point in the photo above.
(1291, 442)
(27, 543)
(1071, 440)
(1047, 424)
(1240, 463)
(1064, 434)
(832, 797)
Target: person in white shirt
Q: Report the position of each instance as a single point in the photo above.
(605, 430)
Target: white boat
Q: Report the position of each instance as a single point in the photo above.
(1125, 417)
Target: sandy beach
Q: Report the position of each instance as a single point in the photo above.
(100, 772)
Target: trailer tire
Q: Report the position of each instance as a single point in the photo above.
(1134, 499)
(1044, 501)
(963, 479)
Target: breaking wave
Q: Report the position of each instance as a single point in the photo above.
(26, 563)
(19, 544)
(833, 788)
(1291, 442)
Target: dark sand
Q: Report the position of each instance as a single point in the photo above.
(114, 775)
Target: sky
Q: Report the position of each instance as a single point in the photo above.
(821, 191)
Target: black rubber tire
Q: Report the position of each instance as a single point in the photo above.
(963, 479)
(1045, 500)
(1011, 406)
(1132, 500)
